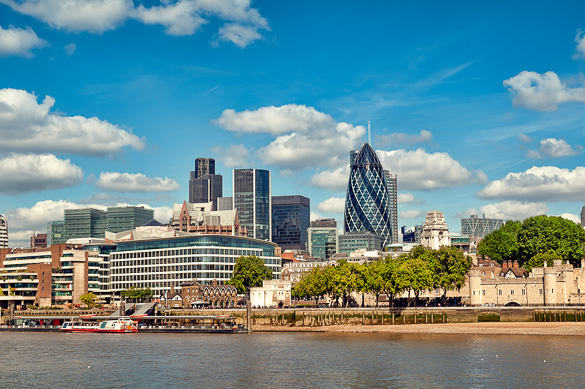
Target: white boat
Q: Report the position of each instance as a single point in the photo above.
(121, 325)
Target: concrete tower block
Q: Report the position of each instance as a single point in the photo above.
(550, 286)
(475, 287)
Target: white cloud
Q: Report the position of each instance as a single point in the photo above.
(419, 170)
(28, 126)
(307, 137)
(70, 48)
(544, 183)
(138, 182)
(238, 34)
(580, 48)
(23, 220)
(411, 214)
(94, 16)
(404, 139)
(336, 179)
(315, 216)
(332, 205)
(511, 210)
(28, 173)
(525, 138)
(232, 156)
(405, 198)
(542, 92)
(276, 120)
(554, 148)
(180, 18)
(572, 217)
(19, 42)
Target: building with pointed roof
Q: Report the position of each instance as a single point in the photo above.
(367, 202)
(199, 217)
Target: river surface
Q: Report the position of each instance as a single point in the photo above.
(289, 360)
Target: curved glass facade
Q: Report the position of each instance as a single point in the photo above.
(367, 200)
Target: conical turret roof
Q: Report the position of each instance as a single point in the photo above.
(367, 156)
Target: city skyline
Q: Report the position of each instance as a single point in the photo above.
(477, 111)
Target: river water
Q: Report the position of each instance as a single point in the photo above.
(289, 360)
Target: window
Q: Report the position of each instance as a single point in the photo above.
(539, 291)
(483, 292)
(500, 292)
(523, 291)
(511, 292)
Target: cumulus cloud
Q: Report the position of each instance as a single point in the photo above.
(315, 216)
(524, 138)
(411, 214)
(29, 173)
(419, 170)
(332, 205)
(70, 48)
(542, 92)
(336, 179)
(544, 183)
(238, 34)
(94, 16)
(405, 198)
(138, 182)
(572, 217)
(180, 18)
(18, 42)
(232, 156)
(26, 125)
(23, 220)
(580, 48)
(510, 210)
(554, 148)
(405, 139)
(306, 137)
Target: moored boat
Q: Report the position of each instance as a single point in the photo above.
(121, 325)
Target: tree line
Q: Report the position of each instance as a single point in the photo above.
(419, 270)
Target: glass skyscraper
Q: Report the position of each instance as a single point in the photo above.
(204, 184)
(367, 202)
(291, 216)
(253, 201)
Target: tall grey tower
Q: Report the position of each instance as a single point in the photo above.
(3, 232)
(204, 184)
(367, 202)
(253, 200)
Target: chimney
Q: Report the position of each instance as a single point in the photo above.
(515, 263)
(505, 265)
(172, 288)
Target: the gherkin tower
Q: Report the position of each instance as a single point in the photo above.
(367, 200)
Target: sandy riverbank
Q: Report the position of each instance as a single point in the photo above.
(498, 328)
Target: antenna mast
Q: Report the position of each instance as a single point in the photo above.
(369, 135)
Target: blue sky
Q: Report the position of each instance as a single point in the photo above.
(477, 108)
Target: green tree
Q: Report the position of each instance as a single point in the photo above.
(89, 299)
(393, 277)
(345, 280)
(502, 244)
(546, 234)
(137, 294)
(372, 278)
(418, 275)
(539, 259)
(249, 271)
(448, 266)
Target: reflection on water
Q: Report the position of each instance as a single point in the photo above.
(288, 360)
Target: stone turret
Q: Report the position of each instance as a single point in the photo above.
(475, 287)
(550, 286)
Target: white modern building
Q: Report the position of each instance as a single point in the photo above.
(3, 232)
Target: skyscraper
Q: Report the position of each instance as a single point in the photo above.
(127, 218)
(204, 184)
(84, 223)
(479, 227)
(367, 202)
(392, 184)
(291, 216)
(55, 232)
(3, 232)
(322, 238)
(583, 217)
(252, 199)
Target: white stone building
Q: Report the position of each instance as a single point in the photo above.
(435, 233)
(272, 294)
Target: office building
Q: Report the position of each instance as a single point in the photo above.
(127, 218)
(188, 217)
(225, 203)
(359, 240)
(252, 199)
(322, 238)
(38, 241)
(367, 202)
(3, 232)
(291, 217)
(392, 185)
(583, 217)
(477, 227)
(412, 234)
(84, 223)
(55, 232)
(204, 185)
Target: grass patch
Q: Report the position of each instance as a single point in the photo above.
(488, 317)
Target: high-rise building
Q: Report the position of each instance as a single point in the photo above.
(412, 234)
(252, 199)
(583, 217)
(3, 232)
(392, 184)
(84, 223)
(477, 227)
(204, 184)
(367, 202)
(291, 216)
(356, 240)
(127, 218)
(322, 238)
(55, 232)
